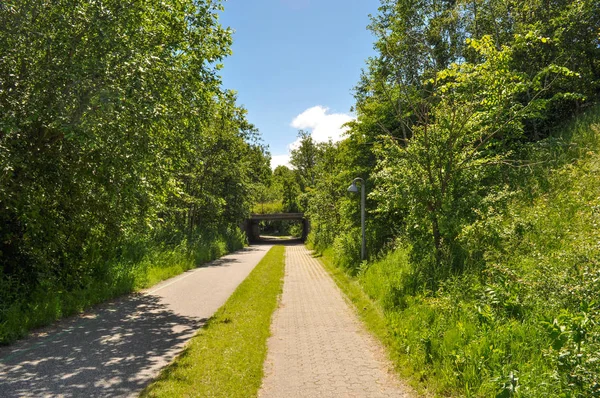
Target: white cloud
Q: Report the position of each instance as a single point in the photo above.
(279, 160)
(322, 124)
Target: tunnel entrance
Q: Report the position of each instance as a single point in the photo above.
(280, 229)
(276, 224)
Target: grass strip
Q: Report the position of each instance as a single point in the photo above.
(225, 358)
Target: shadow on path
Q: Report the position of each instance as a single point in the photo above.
(271, 240)
(117, 348)
(99, 355)
(227, 261)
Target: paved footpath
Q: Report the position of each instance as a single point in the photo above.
(318, 347)
(118, 348)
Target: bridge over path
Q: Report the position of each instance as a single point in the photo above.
(252, 227)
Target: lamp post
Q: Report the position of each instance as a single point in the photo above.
(354, 188)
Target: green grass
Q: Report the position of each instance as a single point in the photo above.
(140, 267)
(368, 311)
(524, 319)
(268, 207)
(160, 265)
(225, 358)
(371, 314)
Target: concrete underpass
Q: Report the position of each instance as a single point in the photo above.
(252, 225)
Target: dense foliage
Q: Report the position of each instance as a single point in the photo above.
(526, 322)
(123, 160)
(456, 89)
(116, 137)
(460, 124)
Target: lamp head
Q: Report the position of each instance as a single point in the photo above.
(353, 188)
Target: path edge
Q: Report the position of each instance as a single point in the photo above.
(372, 320)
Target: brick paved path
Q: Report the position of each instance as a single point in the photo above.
(318, 347)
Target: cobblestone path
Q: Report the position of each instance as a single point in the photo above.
(318, 347)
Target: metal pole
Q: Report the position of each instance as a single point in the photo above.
(363, 249)
(354, 189)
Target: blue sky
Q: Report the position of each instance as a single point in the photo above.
(294, 64)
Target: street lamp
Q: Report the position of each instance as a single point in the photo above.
(353, 188)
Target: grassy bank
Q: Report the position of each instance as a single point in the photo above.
(268, 207)
(523, 317)
(136, 267)
(225, 358)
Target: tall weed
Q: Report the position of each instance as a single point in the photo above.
(523, 317)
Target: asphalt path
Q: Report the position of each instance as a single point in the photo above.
(116, 349)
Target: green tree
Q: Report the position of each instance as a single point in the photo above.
(304, 158)
(114, 129)
(286, 183)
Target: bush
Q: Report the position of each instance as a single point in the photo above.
(522, 317)
(140, 265)
(346, 249)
